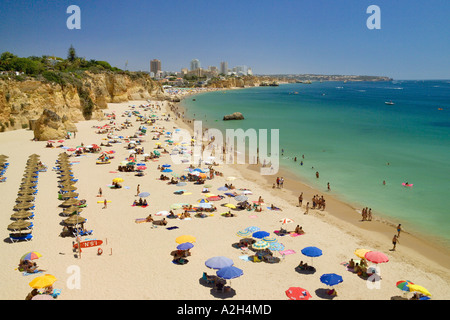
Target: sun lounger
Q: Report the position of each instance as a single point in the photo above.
(23, 237)
(82, 233)
(208, 279)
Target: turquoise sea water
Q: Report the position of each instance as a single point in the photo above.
(355, 141)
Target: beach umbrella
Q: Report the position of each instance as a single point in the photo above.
(25, 198)
(297, 293)
(286, 220)
(331, 279)
(75, 219)
(219, 262)
(69, 195)
(376, 257)
(276, 246)
(185, 246)
(223, 189)
(260, 245)
(71, 210)
(22, 214)
(32, 255)
(185, 238)
(69, 188)
(70, 202)
(420, 289)
(141, 167)
(260, 234)
(19, 225)
(167, 170)
(214, 198)
(231, 206)
(166, 165)
(144, 194)
(360, 253)
(23, 205)
(312, 252)
(253, 229)
(229, 194)
(241, 198)
(228, 273)
(205, 205)
(403, 285)
(202, 201)
(244, 233)
(270, 239)
(117, 180)
(180, 184)
(43, 281)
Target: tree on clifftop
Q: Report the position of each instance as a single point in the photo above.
(71, 55)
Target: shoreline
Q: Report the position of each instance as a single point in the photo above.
(376, 233)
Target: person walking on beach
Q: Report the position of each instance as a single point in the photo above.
(307, 208)
(399, 229)
(105, 204)
(328, 186)
(281, 182)
(138, 189)
(394, 242)
(100, 192)
(300, 199)
(278, 182)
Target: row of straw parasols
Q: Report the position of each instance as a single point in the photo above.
(25, 197)
(68, 188)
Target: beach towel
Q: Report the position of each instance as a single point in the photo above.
(113, 172)
(286, 252)
(277, 232)
(295, 234)
(30, 273)
(253, 216)
(275, 209)
(171, 228)
(140, 220)
(244, 257)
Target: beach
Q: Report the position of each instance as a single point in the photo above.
(136, 262)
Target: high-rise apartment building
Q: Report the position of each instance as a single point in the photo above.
(195, 64)
(155, 66)
(224, 67)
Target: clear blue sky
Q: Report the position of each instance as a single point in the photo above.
(276, 36)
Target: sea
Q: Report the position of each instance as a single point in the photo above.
(364, 148)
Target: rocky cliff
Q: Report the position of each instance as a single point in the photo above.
(83, 99)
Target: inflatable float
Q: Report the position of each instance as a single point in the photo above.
(407, 184)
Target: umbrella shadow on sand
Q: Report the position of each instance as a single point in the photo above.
(310, 270)
(323, 293)
(223, 295)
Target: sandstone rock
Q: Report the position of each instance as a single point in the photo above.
(234, 116)
(51, 126)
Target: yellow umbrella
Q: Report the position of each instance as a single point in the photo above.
(360, 253)
(117, 180)
(229, 205)
(43, 281)
(417, 288)
(185, 238)
(158, 143)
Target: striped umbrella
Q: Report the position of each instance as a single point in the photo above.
(276, 246)
(31, 255)
(260, 245)
(244, 233)
(270, 239)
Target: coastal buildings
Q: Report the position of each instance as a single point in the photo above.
(155, 66)
(195, 64)
(224, 67)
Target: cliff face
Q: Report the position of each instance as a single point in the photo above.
(21, 101)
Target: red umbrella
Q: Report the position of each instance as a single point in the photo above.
(214, 198)
(141, 168)
(297, 293)
(71, 149)
(376, 257)
(60, 141)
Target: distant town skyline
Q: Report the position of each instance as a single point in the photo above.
(273, 37)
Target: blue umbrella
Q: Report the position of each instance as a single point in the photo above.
(143, 194)
(229, 194)
(312, 252)
(219, 262)
(223, 189)
(185, 246)
(331, 279)
(229, 272)
(253, 229)
(167, 170)
(260, 234)
(166, 165)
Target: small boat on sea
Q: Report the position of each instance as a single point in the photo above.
(389, 103)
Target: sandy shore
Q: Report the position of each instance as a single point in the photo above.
(136, 262)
